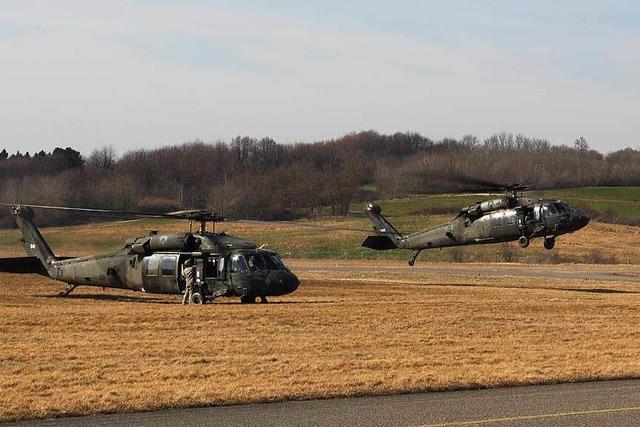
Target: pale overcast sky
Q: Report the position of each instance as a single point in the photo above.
(148, 73)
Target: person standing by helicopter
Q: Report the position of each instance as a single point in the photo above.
(189, 275)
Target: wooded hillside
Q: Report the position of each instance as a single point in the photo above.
(260, 178)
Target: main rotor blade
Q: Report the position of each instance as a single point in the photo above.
(472, 184)
(195, 215)
(490, 185)
(297, 224)
(477, 181)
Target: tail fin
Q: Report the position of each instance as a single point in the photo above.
(34, 243)
(387, 236)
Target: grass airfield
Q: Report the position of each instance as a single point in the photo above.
(343, 333)
(340, 334)
(598, 243)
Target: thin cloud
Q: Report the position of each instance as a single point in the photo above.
(143, 74)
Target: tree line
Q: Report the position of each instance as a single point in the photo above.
(264, 179)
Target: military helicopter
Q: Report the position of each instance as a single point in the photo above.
(225, 265)
(505, 219)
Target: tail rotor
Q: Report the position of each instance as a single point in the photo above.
(387, 237)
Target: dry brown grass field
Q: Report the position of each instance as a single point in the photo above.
(339, 335)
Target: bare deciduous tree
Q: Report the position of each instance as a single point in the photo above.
(103, 158)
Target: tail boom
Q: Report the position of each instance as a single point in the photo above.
(34, 243)
(387, 237)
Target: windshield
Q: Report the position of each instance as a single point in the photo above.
(256, 262)
(567, 206)
(560, 207)
(238, 264)
(277, 261)
(548, 210)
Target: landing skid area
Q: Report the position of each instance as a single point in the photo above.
(412, 261)
(66, 292)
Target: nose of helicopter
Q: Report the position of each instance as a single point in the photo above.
(282, 282)
(581, 220)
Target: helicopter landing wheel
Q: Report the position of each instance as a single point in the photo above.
(247, 300)
(66, 292)
(523, 241)
(549, 242)
(412, 261)
(196, 298)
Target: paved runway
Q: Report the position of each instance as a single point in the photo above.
(580, 404)
(621, 272)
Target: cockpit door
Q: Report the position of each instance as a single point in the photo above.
(240, 275)
(214, 272)
(551, 216)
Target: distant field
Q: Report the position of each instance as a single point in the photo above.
(599, 242)
(344, 334)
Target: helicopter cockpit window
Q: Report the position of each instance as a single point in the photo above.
(560, 207)
(568, 207)
(277, 261)
(256, 262)
(548, 210)
(270, 262)
(168, 265)
(239, 265)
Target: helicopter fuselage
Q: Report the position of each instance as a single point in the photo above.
(229, 274)
(543, 219)
(493, 221)
(225, 265)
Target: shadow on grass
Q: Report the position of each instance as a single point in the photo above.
(177, 301)
(536, 288)
(277, 302)
(597, 290)
(109, 297)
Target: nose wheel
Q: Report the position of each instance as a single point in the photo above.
(549, 242)
(523, 241)
(196, 299)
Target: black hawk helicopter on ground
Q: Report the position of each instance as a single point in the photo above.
(508, 218)
(225, 265)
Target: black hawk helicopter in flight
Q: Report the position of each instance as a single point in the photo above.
(225, 265)
(508, 218)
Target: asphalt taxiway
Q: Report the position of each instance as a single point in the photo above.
(615, 403)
